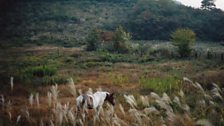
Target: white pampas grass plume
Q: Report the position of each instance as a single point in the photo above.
(18, 119)
(145, 100)
(90, 91)
(49, 97)
(186, 107)
(154, 95)
(54, 92)
(177, 100)
(51, 123)
(71, 87)
(181, 93)
(31, 99)
(41, 123)
(119, 121)
(204, 122)
(164, 105)
(10, 116)
(37, 100)
(121, 109)
(200, 87)
(71, 117)
(217, 87)
(81, 123)
(80, 91)
(150, 110)
(189, 81)
(216, 94)
(137, 115)
(11, 83)
(130, 100)
(166, 98)
(2, 101)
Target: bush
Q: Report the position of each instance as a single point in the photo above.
(41, 71)
(93, 40)
(121, 41)
(183, 38)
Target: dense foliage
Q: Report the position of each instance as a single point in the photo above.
(183, 39)
(156, 19)
(121, 40)
(68, 21)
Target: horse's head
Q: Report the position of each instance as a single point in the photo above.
(110, 98)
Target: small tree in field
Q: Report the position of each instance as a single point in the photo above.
(93, 40)
(183, 39)
(121, 40)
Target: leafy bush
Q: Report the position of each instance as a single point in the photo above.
(93, 40)
(121, 41)
(183, 38)
(41, 71)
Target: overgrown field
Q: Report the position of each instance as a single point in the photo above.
(151, 88)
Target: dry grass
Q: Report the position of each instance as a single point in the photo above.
(50, 107)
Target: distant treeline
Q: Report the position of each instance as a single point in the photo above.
(155, 20)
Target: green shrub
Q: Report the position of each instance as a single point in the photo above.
(41, 71)
(93, 40)
(183, 39)
(121, 41)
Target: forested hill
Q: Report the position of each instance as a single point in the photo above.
(69, 21)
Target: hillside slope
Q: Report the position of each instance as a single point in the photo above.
(62, 22)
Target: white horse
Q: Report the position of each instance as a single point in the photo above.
(94, 101)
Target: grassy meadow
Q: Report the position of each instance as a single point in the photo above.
(40, 84)
(44, 66)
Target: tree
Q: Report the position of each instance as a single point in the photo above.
(183, 39)
(93, 40)
(121, 40)
(208, 4)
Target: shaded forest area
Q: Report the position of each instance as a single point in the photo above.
(144, 19)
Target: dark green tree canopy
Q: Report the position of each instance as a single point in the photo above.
(208, 4)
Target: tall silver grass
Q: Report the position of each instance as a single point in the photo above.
(11, 83)
(31, 100)
(71, 87)
(37, 100)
